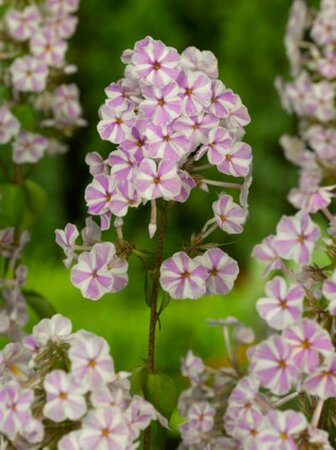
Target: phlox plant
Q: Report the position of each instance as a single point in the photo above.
(37, 111)
(174, 128)
(283, 395)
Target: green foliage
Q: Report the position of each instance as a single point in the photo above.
(12, 205)
(35, 203)
(160, 390)
(39, 304)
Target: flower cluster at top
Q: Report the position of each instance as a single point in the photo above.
(311, 48)
(170, 118)
(13, 311)
(59, 390)
(35, 109)
(231, 408)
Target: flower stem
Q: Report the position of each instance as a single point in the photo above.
(153, 312)
(317, 413)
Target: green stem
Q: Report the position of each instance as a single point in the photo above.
(153, 312)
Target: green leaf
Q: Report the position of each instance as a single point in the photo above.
(39, 304)
(137, 380)
(26, 116)
(160, 390)
(35, 203)
(165, 300)
(11, 204)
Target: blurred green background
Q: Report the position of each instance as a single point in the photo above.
(247, 38)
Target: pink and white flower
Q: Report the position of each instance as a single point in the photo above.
(167, 143)
(274, 366)
(29, 74)
(161, 105)
(155, 62)
(308, 341)
(56, 329)
(183, 277)
(91, 363)
(229, 216)
(23, 24)
(237, 160)
(99, 193)
(196, 60)
(48, 47)
(283, 305)
(65, 397)
(66, 239)
(104, 429)
(115, 126)
(266, 253)
(66, 101)
(29, 147)
(196, 92)
(322, 382)
(296, 237)
(153, 181)
(9, 125)
(99, 271)
(192, 367)
(218, 146)
(222, 270)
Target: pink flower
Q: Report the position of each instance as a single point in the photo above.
(196, 87)
(62, 24)
(329, 291)
(91, 363)
(196, 128)
(222, 99)
(200, 416)
(97, 165)
(242, 405)
(266, 253)
(153, 181)
(161, 105)
(115, 126)
(324, 29)
(283, 305)
(183, 277)
(281, 429)
(167, 143)
(296, 237)
(272, 363)
(66, 101)
(323, 141)
(192, 367)
(66, 239)
(48, 47)
(29, 147)
(229, 216)
(123, 164)
(218, 145)
(15, 412)
(322, 382)
(70, 441)
(104, 429)
(196, 60)
(222, 270)
(99, 271)
(23, 24)
(56, 329)
(237, 160)
(68, 6)
(308, 341)
(99, 193)
(118, 97)
(125, 196)
(155, 62)
(9, 125)
(65, 397)
(29, 74)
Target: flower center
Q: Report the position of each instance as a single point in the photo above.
(63, 395)
(188, 91)
(253, 432)
(247, 405)
(105, 432)
(92, 363)
(156, 180)
(156, 66)
(301, 238)
(185, 275)
(196, 126)
(119, 120)
(94, 274)
(282, 364)
(161, 102)
(228, 157)
(214, 272)
(222, 218)
(283, 304)
(327, 373)
(167, 138)
(283, 436)
(305, 344)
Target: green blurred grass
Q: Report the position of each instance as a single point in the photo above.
(123, 318)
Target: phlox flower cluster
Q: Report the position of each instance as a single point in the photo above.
(33, 48)
(295, 367)
(13, 311)
(59, 390)
(244, 406)
(310, 95)
(169, 119)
